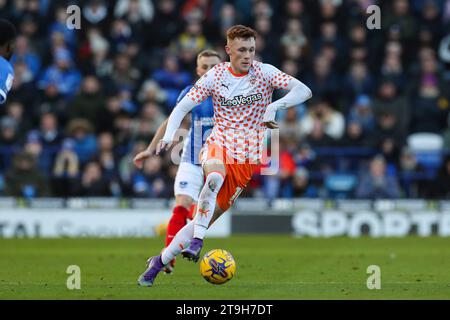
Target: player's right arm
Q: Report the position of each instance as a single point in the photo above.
(198, 93)
(150, 151)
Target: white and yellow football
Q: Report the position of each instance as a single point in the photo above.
(217, 266)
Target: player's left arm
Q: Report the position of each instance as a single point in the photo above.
(298, 93)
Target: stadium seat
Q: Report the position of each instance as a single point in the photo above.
(340, 186)
(427, 148)
(425, 142)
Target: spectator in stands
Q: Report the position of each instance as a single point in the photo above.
(441, 185)
(446, 135)
(323, 81)
(411, 172)
(93, 183)
(123, 74)
(121, 35)
(329, 35)
(151, 182)
(23, 88)
(408, 162)
(290, 125)
(49, 132)
(66, 170)
(15, 110)
(354, 135)
(109, 113)
(362, 113)
(431, 23)
(400, 22)
(43, 158)
(24, 54)
(139, 13)
(304, 156)
(60, 26)
(430, 106)
(88, 103)
(392, 69)
(266, 38)
(360, 39)
(446, 14)
(389, 138)
(97, 48)
(318, 137)
(149, 121)
(389, 100)
(126, 166)
(108, 159)
(8, 132)
(62, 75)
(292, 67)
(332, 122)
(376, 184)
(189, 43)
(172, 79)
(151, 92)
(295, 9)
(9, 141)
(302, 187)
(358, 82)
(166, 21)
(294, 35)
(81, 131)
(125, 131)
(274, 184)
(24, 179)
(29, 26)
(95, 14)
(444, 52)
(228, 17)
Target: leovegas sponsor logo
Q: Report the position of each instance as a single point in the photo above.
(240, 100)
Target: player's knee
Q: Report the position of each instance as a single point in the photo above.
(214, 181)
(214, 165)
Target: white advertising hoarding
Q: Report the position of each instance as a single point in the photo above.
(333, 223)
(103, 223)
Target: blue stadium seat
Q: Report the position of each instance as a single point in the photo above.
(429, 160)
(340, 186)
(428, 149)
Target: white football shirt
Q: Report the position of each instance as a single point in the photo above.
(240, 102)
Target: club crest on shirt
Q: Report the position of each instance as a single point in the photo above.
(253, 81)
(183, 184)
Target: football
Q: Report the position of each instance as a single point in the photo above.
(217, 266)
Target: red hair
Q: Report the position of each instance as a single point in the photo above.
(240, 31)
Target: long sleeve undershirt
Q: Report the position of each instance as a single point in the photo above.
(298, 93)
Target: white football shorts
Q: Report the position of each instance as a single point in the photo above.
(189, 180)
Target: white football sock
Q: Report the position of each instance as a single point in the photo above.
(181, 240)
(207, 203)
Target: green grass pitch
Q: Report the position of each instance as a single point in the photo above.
(268, 267)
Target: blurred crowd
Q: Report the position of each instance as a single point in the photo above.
(84, 102)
